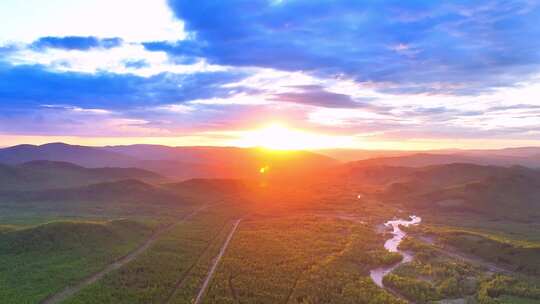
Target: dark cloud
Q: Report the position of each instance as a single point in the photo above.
(514, 107)
(437, 114)
(315, 95)
(184, 52)
(459, 47)
(76, 43)
(136, 64)
(35, 100)
(28, 86)
(8, 49)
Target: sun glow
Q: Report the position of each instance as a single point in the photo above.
(264, 169)
(277, 136)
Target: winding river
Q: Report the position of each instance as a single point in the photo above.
(392, 245)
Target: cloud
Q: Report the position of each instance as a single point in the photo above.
(184, 51)
(315, 95)
(136, 63)
(133, 21)
(95, 55)
(412, 46)
(78, 109)
(35, 100)
(514, 107)
(75, 121)
(391, 68)
(75, 43)
(435, 114)
(8, 49)
(33, 85)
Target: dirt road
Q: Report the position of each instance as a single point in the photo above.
(204, 287)
(71, 290)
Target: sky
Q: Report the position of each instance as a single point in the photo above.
(407, 75)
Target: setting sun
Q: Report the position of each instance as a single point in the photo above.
(277, 136)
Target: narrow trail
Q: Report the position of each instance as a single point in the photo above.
(71, 290)
(204, 287)
(187, 273)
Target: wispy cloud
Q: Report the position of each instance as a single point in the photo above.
(75, 43)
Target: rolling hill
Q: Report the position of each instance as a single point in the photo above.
(40, 260)
(524, 156)
(131, 190)
(69, 235)
(40, 174)
(498, 192)
(528, 156)
(224, 162)
(118, 198)
(418, 160)
(176, 162)
(199, 185)
(80, 155)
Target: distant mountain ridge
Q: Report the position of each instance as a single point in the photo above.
(351, 155)
(80, 155)
(497, 192)
(44, 174)
(116, 198)
(178, 162)
(183, 163)
(430, 159)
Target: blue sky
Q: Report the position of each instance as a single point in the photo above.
(366, 74)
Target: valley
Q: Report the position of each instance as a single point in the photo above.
(269, 152)
(75, 234)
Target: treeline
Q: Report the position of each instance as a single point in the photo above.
(524, 259)
(491, 290)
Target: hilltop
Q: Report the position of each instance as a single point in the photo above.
(80, 155)
(43, 174)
